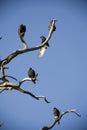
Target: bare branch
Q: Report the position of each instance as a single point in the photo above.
(32, 95)
(26, 49)
(43, 97)
(43, 49)
(58, 119)
(2, 90)
(27, 92)
(7, 84)
(11, 77)
(4, 87)
(11, 86)
(25, 79)
(2, 69)
(68, 111)
(21, 32)
(51, 29)
(49, 126)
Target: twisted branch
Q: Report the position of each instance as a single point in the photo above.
(21, 32)
(10, 86)
(6, 85)
(26, 49)
(68, 111)
(58, 119)
(25, 79)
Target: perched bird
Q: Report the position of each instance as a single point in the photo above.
(43, 39)
(56, 113)
(32, 75)
(43, 49)
(21, 30)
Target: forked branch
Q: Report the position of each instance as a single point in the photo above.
(10, 86)
(5, 84)
(26, 49)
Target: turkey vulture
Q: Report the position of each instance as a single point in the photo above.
(56, 113)
(32, 75)
(21, 30)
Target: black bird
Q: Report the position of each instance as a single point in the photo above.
(43, 49)
(21, 30)
(43, 39)
(56, 113)
(32, 75)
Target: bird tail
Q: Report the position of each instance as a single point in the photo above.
(35, 78)
(34, 81)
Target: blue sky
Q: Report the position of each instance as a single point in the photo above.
(62, 70)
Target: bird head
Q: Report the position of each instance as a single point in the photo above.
(22, 30)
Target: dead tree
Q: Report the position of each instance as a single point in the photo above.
(58, 118)
(5, 84)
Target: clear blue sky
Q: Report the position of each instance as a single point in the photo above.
(62, 70)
